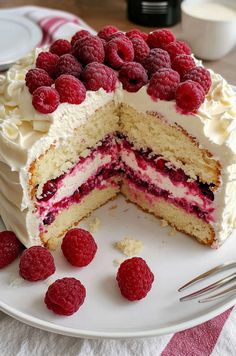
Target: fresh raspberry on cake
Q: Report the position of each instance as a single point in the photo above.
(118, 51)
(45, 100)
(200, 75)
(134, 278)
(160, 38)
(36, 78)
(78, 35)
(157, 59)
(79, 247)
(136, 33)
(65, 296)
(107, 31)
(10, 248)
(189, 96)
(163, 84)
(176, 48)
(70, 89)
(47, 61)
(183, 63)
(133, 76)
(117, 35)
(36, 264)
(98, 75)
(141, 49)
(60, 47)
(89, 49)
(68, 64)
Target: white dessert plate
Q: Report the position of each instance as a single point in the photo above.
(174, 260)
(19, 35)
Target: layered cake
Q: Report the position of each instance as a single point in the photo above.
(136, 114)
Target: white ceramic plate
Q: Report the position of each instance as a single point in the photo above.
(105, 313)
(19, 35)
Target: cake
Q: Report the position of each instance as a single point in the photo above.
(144, 119)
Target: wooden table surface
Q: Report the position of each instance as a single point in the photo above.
(98, 13)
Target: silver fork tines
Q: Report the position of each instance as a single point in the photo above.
(218, 295)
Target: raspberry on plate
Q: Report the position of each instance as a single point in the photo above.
(133, 76)
(65, 296)
(70, 89)
(141, 49)
(45, 100)
(183, 63)
(48, 62)
(36, 264)
(160, 38)
(107, 31)
(98, 75)
(176, 48)
(36, 78)
(60, 47)
(79, 247)
(163, 84)
(118, 51)
(157, 59)
(89, 49)
(10, 248)
(134, 278)
(68, 64)
(136, 33)
(78, 35)
(189, 96)
(200, 75)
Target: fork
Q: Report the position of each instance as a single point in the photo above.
(211, 287)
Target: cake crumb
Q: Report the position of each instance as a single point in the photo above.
(117, 262)
(52, 243)
(163, 223)
(125, 210)
(113, 207)
(129, 247)
(172, 232)
(94, 225)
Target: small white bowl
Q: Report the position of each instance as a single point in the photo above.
(210, 37)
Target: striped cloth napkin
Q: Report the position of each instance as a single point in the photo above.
(215, 337)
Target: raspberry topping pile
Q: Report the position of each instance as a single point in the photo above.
(189, 96)
(200, 75)
(107, 31)
(10, 248)
(60, 47)
(36, 78)
(79, 247)
(65, 296)
(157, 59)
(45, 100)
(48, 62)
(89, 49)
(98, 75)
(68, 64)
(141, 49)
(176, 48)
(183, 63)
(160, 38)
(163, 84)
(136, 33)
(36, 264)
(133, 76)
(78, 35)
(118, 51)
(70, 89)
(134, 278)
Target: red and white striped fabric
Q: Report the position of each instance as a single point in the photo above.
(215, 337)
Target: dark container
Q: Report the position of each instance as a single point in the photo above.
(154, 13)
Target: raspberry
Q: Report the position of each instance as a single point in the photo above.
(118, 51)
(183, 63)
(134, 278)
(141, 49)
(68, 64)
(107, 31)
(78, 35)
(97, 75)
(48, 62)
(116, 35)
(133, 76)
(65, 296)
(10, 248)
(136, 33)
(176, 48)
(189, 96)
(36, 264)
(70, 89)
(157, 59)
(36, 78)
(60, 47)
(200, 75)
(45, 100)
(163, 84)
(89, 49)
(79, 247)
(160, 38)
(49, 189)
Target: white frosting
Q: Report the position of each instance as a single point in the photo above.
(25, 134)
